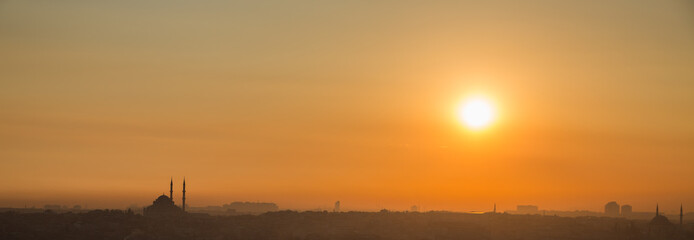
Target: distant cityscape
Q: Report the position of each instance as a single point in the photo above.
(164, 219)
(166, 205)
(256, 208)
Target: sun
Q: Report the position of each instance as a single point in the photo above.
(476, 113)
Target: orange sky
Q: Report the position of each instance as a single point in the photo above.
(306, 103)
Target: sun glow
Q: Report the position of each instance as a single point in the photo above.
(476, 113)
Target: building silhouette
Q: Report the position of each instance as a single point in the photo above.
(612, 209)
(681, 215)
(660, 227)
(414, 208)
(337, 207)
(527, 209)
(626, 210)
(164, 205)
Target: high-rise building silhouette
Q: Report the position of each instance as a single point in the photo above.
(171, 189)
(612, 209)
(337, 207)
(183, 203)
(626, 210)
(681, 215)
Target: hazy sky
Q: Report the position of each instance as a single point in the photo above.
(304, 103)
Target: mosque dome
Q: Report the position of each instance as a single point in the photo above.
(660, 227)
(163, 200)
(660, 220)
(163, 206)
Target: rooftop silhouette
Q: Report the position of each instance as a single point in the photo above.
(164, 205)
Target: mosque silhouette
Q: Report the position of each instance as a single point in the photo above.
(661, 228)
(164, 205)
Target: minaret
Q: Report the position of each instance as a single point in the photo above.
(183, 205)
(656, 209)
(681, 215)
(494, 207)
(171, 190)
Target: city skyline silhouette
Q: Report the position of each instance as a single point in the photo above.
(459, 119)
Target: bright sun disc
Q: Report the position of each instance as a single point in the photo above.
(476, 113)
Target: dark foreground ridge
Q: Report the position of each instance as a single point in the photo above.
(118, 224)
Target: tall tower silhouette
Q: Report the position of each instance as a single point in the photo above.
(681, 215)
(183, 205)
(494, 208)
(656, 210)
(171, 190)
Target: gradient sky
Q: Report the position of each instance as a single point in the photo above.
(304, 103)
